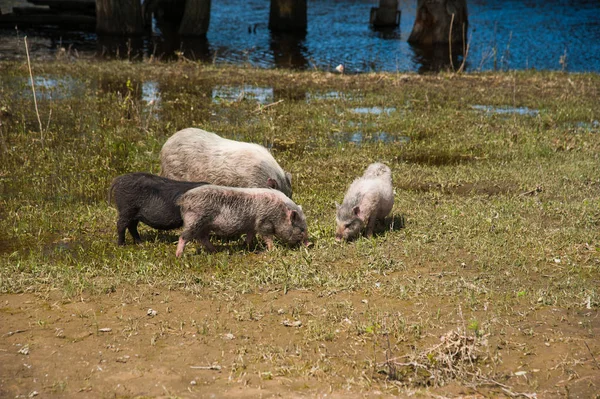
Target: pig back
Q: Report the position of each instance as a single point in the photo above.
(197, 155)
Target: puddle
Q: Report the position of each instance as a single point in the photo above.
(151, 92)
(360, 138)
(151, 96)
(46, 88)
(586, 127)
(373, 110)
(262, 95)
(490, 109)
(331, 95)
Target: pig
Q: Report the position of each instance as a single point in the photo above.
(369, 198)
(197, 155)
(232, 211)
(147, 198)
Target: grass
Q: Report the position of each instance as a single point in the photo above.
(501, 211)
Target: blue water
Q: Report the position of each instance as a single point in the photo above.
(503, 35)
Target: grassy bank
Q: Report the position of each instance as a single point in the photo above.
(496, 215)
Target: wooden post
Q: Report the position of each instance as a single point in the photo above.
(433, 21)
(288, 16)
(119, 17)
(196, 18)
(386, 14)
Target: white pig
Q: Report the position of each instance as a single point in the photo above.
(197, 155)
(232, 211)
(369, 198)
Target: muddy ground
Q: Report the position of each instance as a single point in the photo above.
(145, 342)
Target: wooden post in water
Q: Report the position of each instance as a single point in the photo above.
(196, 18)
(119, 17)
(288, 16)
(386, 14)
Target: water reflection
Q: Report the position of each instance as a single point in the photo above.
(490, 109)
(586, 127)
(373, 110)
(262, 95)
(172, 46)
(359, 137)
(117, 47)
(386, 32)
(436, 58)
(332, 95)
(289, 50)
(46, 87)
(151, 92)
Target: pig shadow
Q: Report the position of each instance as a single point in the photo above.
(160, 236)
(232, 245)
(394, 223)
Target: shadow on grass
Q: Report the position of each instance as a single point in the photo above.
(394, 223)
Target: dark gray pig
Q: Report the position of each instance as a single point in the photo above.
(369, 198)
(197, 155)
(232, 211)
(147, 198)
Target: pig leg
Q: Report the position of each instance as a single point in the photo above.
(269, 241)
(134, 231)
(370, 226)
(204, 240)
(267, 231)
(121, 228)
(180, 247)
(250, 239)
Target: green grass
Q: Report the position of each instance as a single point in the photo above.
(458, 180)
(478, 234)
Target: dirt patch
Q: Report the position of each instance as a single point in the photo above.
(158, 343)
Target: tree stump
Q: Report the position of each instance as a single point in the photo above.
(433, 21)
(119, 17)
(196, 18)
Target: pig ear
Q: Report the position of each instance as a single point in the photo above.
(272, 183)
(356, 210)
(293, 215)
(288, 176)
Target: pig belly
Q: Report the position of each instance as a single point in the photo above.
(385, 208)
(162, 219)
(229, 223)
